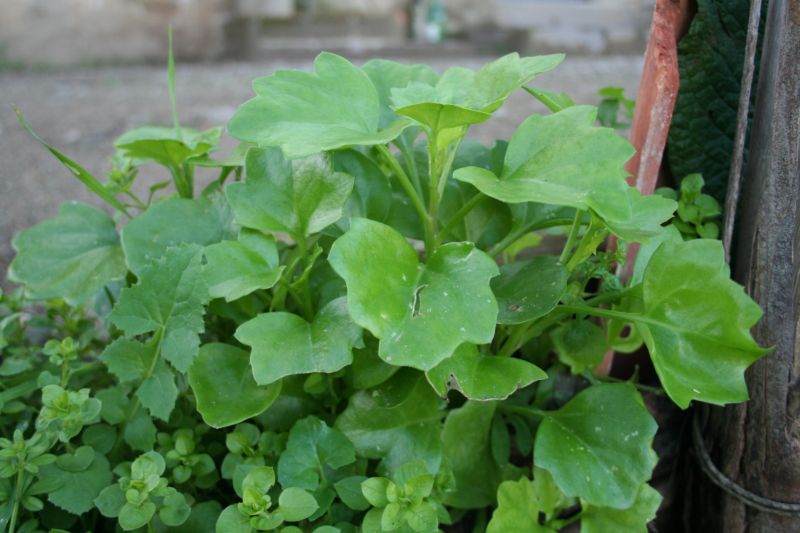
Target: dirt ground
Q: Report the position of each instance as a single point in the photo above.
(82, 111)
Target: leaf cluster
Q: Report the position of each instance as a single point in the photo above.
(357, 326)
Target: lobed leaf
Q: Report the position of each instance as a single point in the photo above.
(633, 519)
(174, 222)
(237, 268)
(223, 385)
(71, 256)
(527, 290)
(303, 113)
(598, 446)
(398, 421)
(423, 312)
(300, 198)
(481, 377)
(563, 159)
(517, 509)
(284, 344)
(169, 300)
(696, 323)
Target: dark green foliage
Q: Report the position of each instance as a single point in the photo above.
(710, 60)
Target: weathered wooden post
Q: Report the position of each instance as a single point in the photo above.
(757, 445)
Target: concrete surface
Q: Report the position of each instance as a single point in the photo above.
(82, 111)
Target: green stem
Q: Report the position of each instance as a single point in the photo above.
(525, 332)
(12, 525)
(408, 187)
(413, 172)
(611, 296)
(512, 237)
(171, 85)
(573, 235)
(603, 313)
(471, 204)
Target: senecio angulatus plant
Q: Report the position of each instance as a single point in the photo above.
(356, 326)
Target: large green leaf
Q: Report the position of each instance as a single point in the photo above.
(169, 300)
(388, 75)
(634, 519)
(308, 112)
(696, 323)
(481, 377)
(398, 421)
(527, 290)
(223, 385)
(372, 192)
(158, 391)
(166, 145)
(563, 159)
(78, 481)
(237, 268)
(311, 447)
(172, 222)
(462, 96)
(420, 313)
(467, 450)
(710, 60)
(598, 446)
(71, 256)
(518, 509)
(300, 197)
(284, 344)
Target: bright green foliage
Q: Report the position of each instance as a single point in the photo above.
(696, 323)
(66, 412)
(586, 173)
(425, 311)
(397, 421)
(167, 301)
(403, 502)
(335, 336)
(171, 223)
(482, 377)
(697, 212)
(304, 113)
(167, 146)
(255, 510)
(467, 449)
(224, 387)
(462, 97)
(237, 268)
(285, 344)
(518, 509)
(80, 477)
(598, 446)
(135, 498)
(312, 447)
(633, 519)
(298, 197)
(581, 344)
(527, 290)
(71, 256)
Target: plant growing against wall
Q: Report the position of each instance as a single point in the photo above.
(353, 328)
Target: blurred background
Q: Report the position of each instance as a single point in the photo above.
(85, 71)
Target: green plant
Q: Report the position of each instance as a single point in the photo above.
(352, 327)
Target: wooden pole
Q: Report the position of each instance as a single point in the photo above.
(757, 444)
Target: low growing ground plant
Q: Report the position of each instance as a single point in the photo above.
(356, 326)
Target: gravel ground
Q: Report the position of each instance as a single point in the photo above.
(82, 111)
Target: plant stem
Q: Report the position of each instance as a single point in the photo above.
(603, 313)
(573, 235)
(512, 237)
(408, 158)
(12, 525)
(408, 187)
(471, 204)
(525, 332)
